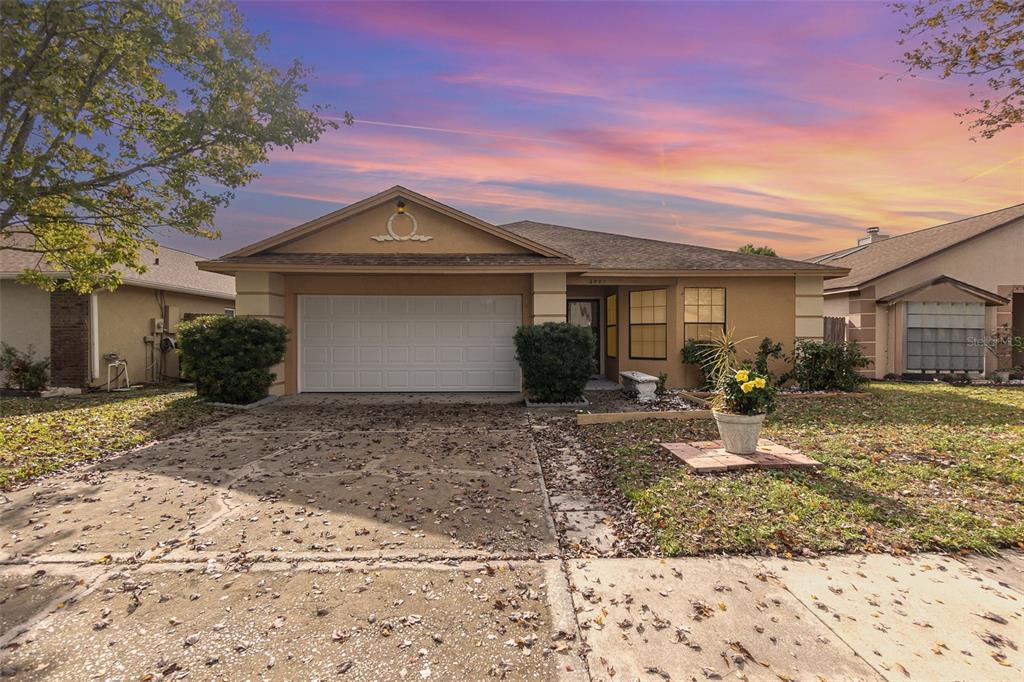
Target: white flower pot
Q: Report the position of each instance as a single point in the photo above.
(739, 431)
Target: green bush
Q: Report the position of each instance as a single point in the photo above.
(822, 366)
(700, 355)
(768, 350)
(557, 360)
(229, 357)
(22, 370)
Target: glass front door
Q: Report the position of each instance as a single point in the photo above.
(586, 313)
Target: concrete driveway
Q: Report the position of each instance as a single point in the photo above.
(405, 538)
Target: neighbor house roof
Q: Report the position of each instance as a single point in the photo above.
(168, 269)
(871, 261)
(617, 252)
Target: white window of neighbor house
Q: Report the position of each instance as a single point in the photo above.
(704, 312)
(229, 312)
(945, 337)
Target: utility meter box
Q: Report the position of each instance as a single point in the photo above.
(158, 325)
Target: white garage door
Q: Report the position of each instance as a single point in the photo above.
(408, 343)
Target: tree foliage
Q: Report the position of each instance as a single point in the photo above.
(122, 117)
(982, 40)
(758, 250)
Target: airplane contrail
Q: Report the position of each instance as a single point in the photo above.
(993, 169)
(453, 131)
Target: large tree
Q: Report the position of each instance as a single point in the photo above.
(981, 40)
(123, 117)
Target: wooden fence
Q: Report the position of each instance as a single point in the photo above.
(835, 329)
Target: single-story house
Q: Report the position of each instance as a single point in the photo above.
(83, 334)
(933, 300)
(399, 292)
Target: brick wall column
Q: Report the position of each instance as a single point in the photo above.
(69, 339)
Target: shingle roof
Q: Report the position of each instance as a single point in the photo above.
(608, 251)
(871, 261)
(176, 271)
(452, 260)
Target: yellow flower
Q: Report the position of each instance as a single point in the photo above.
(759, 382)
(742, 375)
(747, 387)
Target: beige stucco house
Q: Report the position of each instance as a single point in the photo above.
(932, 300)
(399, 292)
(135, 323)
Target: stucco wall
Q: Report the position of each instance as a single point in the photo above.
(125, 318)
(994, 262)
(993, 259)
(25, 317)
(756, 307)
(355, 235)
(384, 285)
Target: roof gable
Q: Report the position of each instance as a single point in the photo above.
(396, 221)
(872, 261)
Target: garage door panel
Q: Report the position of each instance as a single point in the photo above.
(318, 356)
(344, 330)
(316, 307)
(316, 330)
(480, 330)
(398, 355)
(424, 330)
(424, 355)
(315, 380)
(370, 355)
(397, 330)
(338, 306)
(408, 343)
(344, 380)
(343, 355)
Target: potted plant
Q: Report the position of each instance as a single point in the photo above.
(743, 400)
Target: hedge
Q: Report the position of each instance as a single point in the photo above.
(230, 358)
(557, 359)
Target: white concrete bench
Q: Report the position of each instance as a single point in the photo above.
(643, 386)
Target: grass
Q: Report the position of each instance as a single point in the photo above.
(912, 467)
(40, 436)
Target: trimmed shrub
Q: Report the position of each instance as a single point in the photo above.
(557, 359)
(767, 350)
(229, 358)
(22, 370)
(822, 366)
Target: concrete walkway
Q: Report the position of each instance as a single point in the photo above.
(403, 539)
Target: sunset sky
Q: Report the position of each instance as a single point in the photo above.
(781, 123)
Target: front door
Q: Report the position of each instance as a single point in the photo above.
(585, 313)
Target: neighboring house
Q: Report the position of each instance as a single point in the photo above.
(82, 334)
(399, 292)
(925, 301)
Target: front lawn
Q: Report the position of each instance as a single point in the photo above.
(39, 436)
(910, 467)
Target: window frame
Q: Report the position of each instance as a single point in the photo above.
(725, 313)
(632, 324)
(611, 328)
